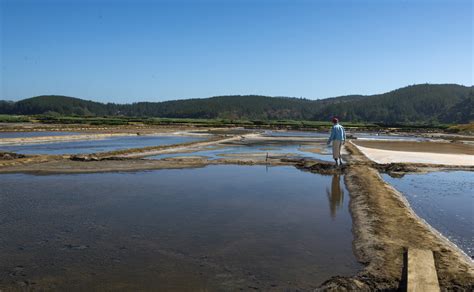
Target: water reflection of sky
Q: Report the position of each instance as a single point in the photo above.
(259, 226)
(445, 200)
(35, 134)
(92, 146)
(296, 134)
(359, 135)
(375, 136)
(272, 150)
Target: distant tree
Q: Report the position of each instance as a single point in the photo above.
(425, 103)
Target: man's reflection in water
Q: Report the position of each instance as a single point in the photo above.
(336, 195)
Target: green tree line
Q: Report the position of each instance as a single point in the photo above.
(424, 103)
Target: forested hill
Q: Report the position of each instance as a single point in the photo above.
(426, 103)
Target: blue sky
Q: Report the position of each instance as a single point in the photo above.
(127, 51)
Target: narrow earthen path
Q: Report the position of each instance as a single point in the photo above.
(385, 228)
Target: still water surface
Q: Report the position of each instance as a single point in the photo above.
(35, 134)
(92, 146)
(273, 150)
(217, 228)
(445, 200)
(296, 134)
(396, 137)
(358, 135)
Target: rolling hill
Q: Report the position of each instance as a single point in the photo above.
(424, 103)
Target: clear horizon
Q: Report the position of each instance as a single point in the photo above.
(126, 52)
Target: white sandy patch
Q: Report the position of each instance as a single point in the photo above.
(187, 133)
(388, 156)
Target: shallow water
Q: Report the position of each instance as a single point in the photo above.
(35, 134)
(92, 146)
(217, 228)
(359, 135)
(296, 134)
(273, 150)
(445, 200)
(375, 136)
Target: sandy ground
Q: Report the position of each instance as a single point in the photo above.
(423, 147)
(389, 156)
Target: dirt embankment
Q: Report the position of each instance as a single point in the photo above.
(385, 227)
(114, 164)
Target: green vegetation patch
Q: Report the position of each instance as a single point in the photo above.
(14, 119)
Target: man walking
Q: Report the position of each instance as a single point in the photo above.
(338, 138)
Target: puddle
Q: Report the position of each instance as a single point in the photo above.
(445, 200)
(273, 150)
(215, 228)
(102, 145)
(35, 134)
